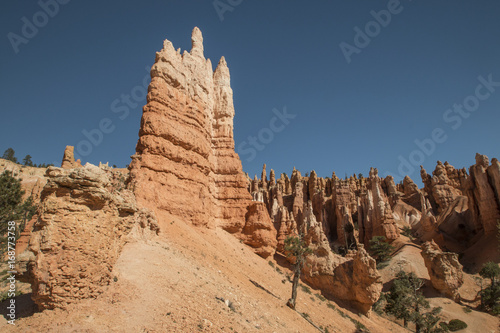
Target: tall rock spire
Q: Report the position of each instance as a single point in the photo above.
(185, 166)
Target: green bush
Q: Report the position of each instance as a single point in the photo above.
(454, 325)
(380, 248)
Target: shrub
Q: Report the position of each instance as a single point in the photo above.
(454, 325)
(305, 289)
(380, 248)
(408, 233)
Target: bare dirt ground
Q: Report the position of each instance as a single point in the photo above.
(197, 280)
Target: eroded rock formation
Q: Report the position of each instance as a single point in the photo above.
(353, 278)
(185, 165)
(481, 192)
(258, 232)
(68, 161)
(86, 215)
(376, 217)
(444, 270)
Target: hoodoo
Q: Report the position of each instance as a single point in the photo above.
(185, 166)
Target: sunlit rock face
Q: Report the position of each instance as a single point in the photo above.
(185, 165)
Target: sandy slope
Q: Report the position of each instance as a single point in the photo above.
(171, 284)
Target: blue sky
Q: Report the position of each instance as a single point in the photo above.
(403, 75)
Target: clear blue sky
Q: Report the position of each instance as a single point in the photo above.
(281, 54)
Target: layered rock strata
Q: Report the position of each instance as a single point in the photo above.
(185, 165)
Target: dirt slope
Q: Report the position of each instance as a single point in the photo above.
(171, 284)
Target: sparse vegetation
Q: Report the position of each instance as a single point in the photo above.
(9, 155)
(454, 325)
(342, 314)
(359, 326)
(271, 263)
(321, 297)
(405, 301)
(378, 306)
(27, 160)
(490, 271)
(12, 208)
(467, 310)
(490, 296)
(380, 249)
(331, 306)
(408, 233)
(296, 247)
(305, 289)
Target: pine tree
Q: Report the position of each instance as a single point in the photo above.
(490, 271)
(9, 155)
(27, 160)
(490, 297)
(405, 301)
(296, 247)
(12, 207)
(380, 248)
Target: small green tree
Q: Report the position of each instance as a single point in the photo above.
(405, 301)
(9, 155)
(296, 247)
(490, 296)
(380, 248)
(27, 160)
(490, 271)
(12, 207)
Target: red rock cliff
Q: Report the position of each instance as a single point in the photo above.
(185, 165)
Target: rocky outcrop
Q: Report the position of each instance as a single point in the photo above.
(185, 166)
(258, 232)
(444, 270)
(376, 217)
(482, 194)
(85, 217)
(353, 278)
(494, 178)
(68, 161)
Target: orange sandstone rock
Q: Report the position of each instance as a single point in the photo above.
(185, 165)
(444, 270)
